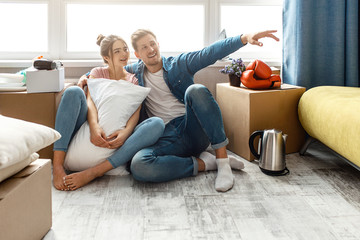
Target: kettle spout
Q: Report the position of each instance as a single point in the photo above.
(284, 137)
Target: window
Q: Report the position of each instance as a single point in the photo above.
(67, 29)
(253, 18)
(24, 27)
(175, 32)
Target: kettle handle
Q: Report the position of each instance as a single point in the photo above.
(251, 142)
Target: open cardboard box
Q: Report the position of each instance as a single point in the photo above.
(245, 111)
(25, 203)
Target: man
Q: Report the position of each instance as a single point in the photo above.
(192, 116)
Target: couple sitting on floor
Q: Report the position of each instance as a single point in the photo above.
(98, 119)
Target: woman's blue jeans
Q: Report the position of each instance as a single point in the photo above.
(72, 113)
(184, 138)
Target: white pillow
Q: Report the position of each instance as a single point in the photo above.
(19, 139)
(7, 170)
(116, 101)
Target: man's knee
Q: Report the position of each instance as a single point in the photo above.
(141, 166)
(197, 92)
(199, 97)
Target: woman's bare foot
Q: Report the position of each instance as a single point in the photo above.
(58, 178)
(59, 171)
(79, 179)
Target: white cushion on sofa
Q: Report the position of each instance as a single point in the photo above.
(116, 101)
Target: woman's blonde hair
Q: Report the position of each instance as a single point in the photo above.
(106, 45)
(139, 34)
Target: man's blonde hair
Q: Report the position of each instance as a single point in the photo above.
(135, 37)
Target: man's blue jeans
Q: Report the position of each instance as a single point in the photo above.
(184, 138)
(72, 113)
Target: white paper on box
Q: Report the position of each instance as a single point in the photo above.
(45, 80)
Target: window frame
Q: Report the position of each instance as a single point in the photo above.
(57, 25)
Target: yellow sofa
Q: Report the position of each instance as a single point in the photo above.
(331, 114)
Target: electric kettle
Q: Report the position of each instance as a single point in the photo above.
(272, 151)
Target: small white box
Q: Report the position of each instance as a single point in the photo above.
(45, 80)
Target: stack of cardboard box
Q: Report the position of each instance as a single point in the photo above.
(25, 203)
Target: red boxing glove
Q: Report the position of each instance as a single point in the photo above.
(261, 69)
(258, 76)
(275, 81)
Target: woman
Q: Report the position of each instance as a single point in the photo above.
(75, 108)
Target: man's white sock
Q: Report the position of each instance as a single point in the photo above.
(236, 163)
(224, 179)
(210, 162)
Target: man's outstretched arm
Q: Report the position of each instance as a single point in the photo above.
(199, 59)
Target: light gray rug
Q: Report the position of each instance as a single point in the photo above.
(320, 199)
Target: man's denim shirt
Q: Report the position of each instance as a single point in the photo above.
(179, 71)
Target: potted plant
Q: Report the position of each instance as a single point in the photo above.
(235, 69)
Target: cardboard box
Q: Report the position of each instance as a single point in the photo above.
(245, 111)
(25, 203)
(32, 107)
(45, 80)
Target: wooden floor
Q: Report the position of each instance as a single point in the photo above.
(320, 199)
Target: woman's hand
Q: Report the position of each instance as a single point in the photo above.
(98, 137)
(82, 81)
(253, 38)
(118, 138)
